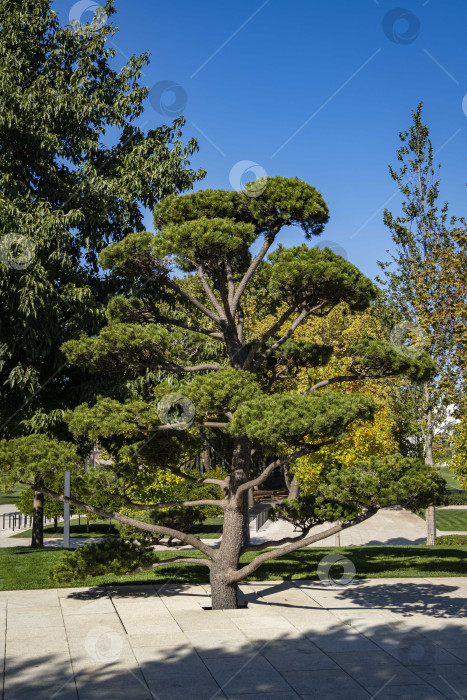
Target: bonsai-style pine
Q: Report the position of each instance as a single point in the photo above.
(185, 321)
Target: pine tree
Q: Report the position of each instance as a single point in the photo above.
(238, 389)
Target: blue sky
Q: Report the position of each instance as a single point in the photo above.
(317, 90)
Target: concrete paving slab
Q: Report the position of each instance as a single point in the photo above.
(263, 696)
(203, 620)
(31, 599)
(82, 593)
(450, 681)
(282, 647)
(342, 640)
(206, 640)
(39, 620)
(401, 692)
(252, 674)
(77, 606)
(164, 639)
(368, 675)
(327, 684)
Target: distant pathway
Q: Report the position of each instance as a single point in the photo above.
(390, 526)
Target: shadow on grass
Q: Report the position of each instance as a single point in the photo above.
(24, 567)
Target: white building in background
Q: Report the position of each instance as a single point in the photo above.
(449, 422)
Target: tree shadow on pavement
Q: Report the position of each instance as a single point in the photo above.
(404, 640)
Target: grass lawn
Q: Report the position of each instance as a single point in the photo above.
(99, 528)
(210, 529)
(12, 496)
(451, 520)
(25, 568)
(452, 484)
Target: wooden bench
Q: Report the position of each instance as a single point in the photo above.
(263, 495)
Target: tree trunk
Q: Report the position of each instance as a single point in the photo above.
(246, 524)
(206, 458)
(430, 513)
(55, 523)
(224, 595)
(294, 490)
(430, 525)
(37, 539)
(223, 590)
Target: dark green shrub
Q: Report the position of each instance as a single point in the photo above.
(182, 519)
(111, 556)
(456, 499)
(452, 540)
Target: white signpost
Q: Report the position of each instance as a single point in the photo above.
(66, 512)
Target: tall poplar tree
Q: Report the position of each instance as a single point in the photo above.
(413, 283)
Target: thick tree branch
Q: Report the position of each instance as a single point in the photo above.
(230, 284)
(274, 543)
(280, 462)
(173, 367)
(268, 241)
(267, 353)
(297, 544)
(222, 483)
(333, 380)
(173, 504)
(193, 301)
(228, 312)
(155, 316)
(267, 335)
(167, 562)
(149, 527)
(241, 321)
(210, 293)
(269, 469)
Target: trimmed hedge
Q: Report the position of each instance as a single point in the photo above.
(456, 499)
(452, 540)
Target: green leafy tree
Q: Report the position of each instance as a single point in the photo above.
(237, 391)
(50, 508)
(76, 171)
(417, 289)
(35, 460)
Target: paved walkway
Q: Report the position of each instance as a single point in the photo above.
(7, 508)
(388, 526)
(381, 638)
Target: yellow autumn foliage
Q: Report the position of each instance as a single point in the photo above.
(364, 439)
